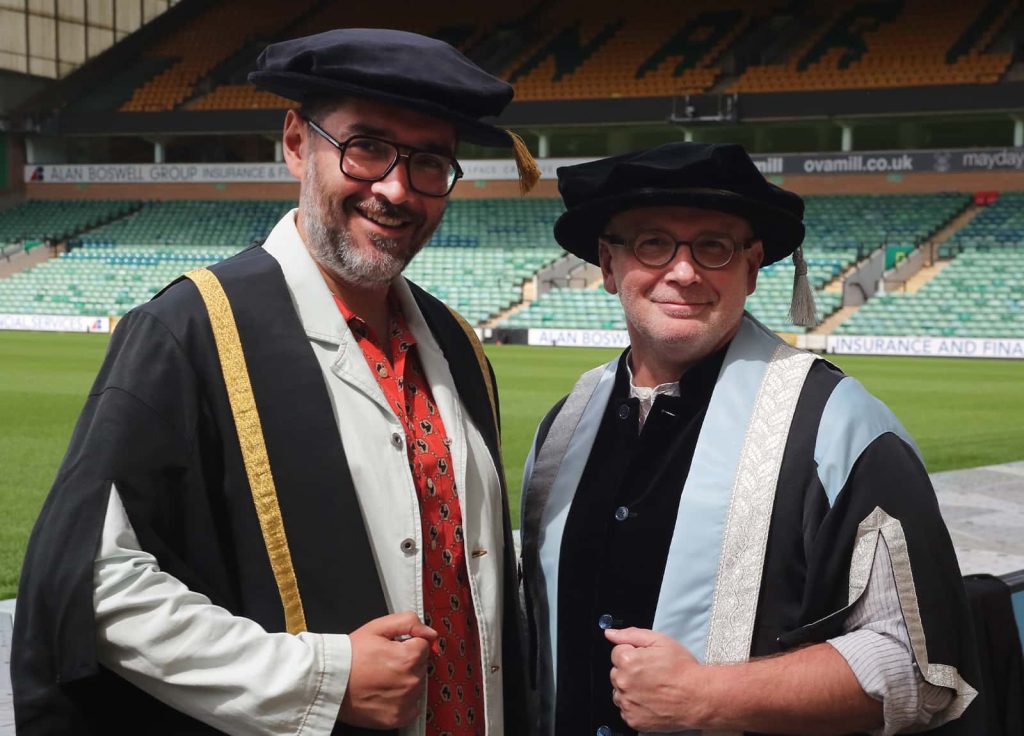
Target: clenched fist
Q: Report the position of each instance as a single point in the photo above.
(655, 681)
(389, 668)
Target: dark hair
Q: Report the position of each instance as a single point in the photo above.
(317, 108)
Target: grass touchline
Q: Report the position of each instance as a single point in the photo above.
(962, 413)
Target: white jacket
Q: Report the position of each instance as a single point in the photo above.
(226, 670)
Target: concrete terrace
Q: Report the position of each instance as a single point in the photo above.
(984, 510)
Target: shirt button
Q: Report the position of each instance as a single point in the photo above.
(604, 731)
(621, 513)
(623, 414)
(396, 440)
(494, 668)
(408, 545)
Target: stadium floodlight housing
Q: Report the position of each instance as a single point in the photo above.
(704, 109)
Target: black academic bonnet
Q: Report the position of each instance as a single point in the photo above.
(710, 176)
(396, 67)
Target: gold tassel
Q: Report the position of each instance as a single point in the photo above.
(529, 172)
(802, 310)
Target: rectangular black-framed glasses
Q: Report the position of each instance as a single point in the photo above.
(369, 158)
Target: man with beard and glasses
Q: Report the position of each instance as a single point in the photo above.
(283, 507)
(722, 533)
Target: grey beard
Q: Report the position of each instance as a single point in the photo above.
(333, 248)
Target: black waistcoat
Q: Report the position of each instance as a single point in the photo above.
(617, 537)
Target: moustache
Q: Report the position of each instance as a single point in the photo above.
(374, 206)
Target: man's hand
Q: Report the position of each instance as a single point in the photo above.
(659, 686)
(655, 681)
(389, 668)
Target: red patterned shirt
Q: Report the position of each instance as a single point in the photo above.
(454, 680)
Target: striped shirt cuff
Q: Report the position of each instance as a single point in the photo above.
(877, 649)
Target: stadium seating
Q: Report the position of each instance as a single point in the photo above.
(999, 227)
(588, 50)
(840, 231)
(119, 87)
(581, 49)
(477, 282)
(113, 267)
(55, 221)
(594, 51)
(238, 97)
(231, 223)
(853, 225)
(476, 261)
(595, 309)
(584, 50)
(483, 251)
(886, 44)
(448, 21)
(100, 281)
(573, 309)
(209, 40)
(979, 294)
(770, 302)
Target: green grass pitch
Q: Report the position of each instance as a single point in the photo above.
(963, 413)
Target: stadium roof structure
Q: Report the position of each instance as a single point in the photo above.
(518, 46)
(945, 100)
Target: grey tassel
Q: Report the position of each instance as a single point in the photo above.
(801, 309)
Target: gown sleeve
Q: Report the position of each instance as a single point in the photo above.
(195, 656)
(138, 430)
(887, 502)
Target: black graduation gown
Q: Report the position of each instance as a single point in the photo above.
(158, 424)
(611, 563)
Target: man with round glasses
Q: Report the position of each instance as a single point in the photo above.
(657, 248)
(720, 532)
(283, 508)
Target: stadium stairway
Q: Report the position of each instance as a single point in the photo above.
(958, 223)
(979, 295)
(514, 309)
(841, 231)
(836, 285)
(24, 260)
(835, 319)
(914, 281)
(922, 277)
(976, 289)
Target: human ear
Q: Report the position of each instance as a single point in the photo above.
(755, 257)
(293, 144)
(604, 259)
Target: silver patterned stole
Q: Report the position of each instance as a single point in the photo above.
(712, 582)
(745, 541)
